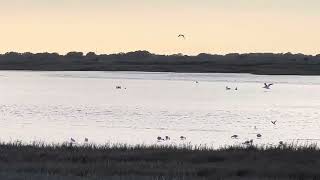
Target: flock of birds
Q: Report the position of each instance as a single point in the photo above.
(248, 142)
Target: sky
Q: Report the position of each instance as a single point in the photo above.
(113, 26)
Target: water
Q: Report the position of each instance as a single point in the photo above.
(55, 106)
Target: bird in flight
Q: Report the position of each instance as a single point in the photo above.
(267, 86)
(182, 36)
(274, 122)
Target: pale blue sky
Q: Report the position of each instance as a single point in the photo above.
(212, 26)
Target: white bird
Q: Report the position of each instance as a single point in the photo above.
(181, 35)
(267, 86)
(234, 136)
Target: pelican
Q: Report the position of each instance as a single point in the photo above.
(227, 88)
(259, 135)
(267, 86)
(183, 138)
(234, 136)
(167, 138)
(86, 140)
(274, 122)
(181, 35)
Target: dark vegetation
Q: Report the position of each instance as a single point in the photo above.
(255, 63)
(40, 161)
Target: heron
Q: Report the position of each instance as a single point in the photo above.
(274, 122)
(267, 86)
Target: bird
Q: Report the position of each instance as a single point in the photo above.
(267, 86)
(86, 140)
(259, 135)
(181, 35)
(159, 138)
(72, 140)
(274, 122)
(248, 142)
(234, 136)
(167, 138)
(197, 82)
(281, 143)
(183, 138)
(236, 88)
(227, 88)
(118, 87)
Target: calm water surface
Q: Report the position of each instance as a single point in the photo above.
(54, 106)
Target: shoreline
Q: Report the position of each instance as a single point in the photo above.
(40, 161)
(144, 61)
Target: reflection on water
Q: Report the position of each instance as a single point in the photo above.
(54, 106)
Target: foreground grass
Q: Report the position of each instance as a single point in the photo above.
(61, 162)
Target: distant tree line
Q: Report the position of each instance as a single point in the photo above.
(256, 63)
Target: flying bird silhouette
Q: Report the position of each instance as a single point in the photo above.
(267, 86)
(181, 35)
(274, 122)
